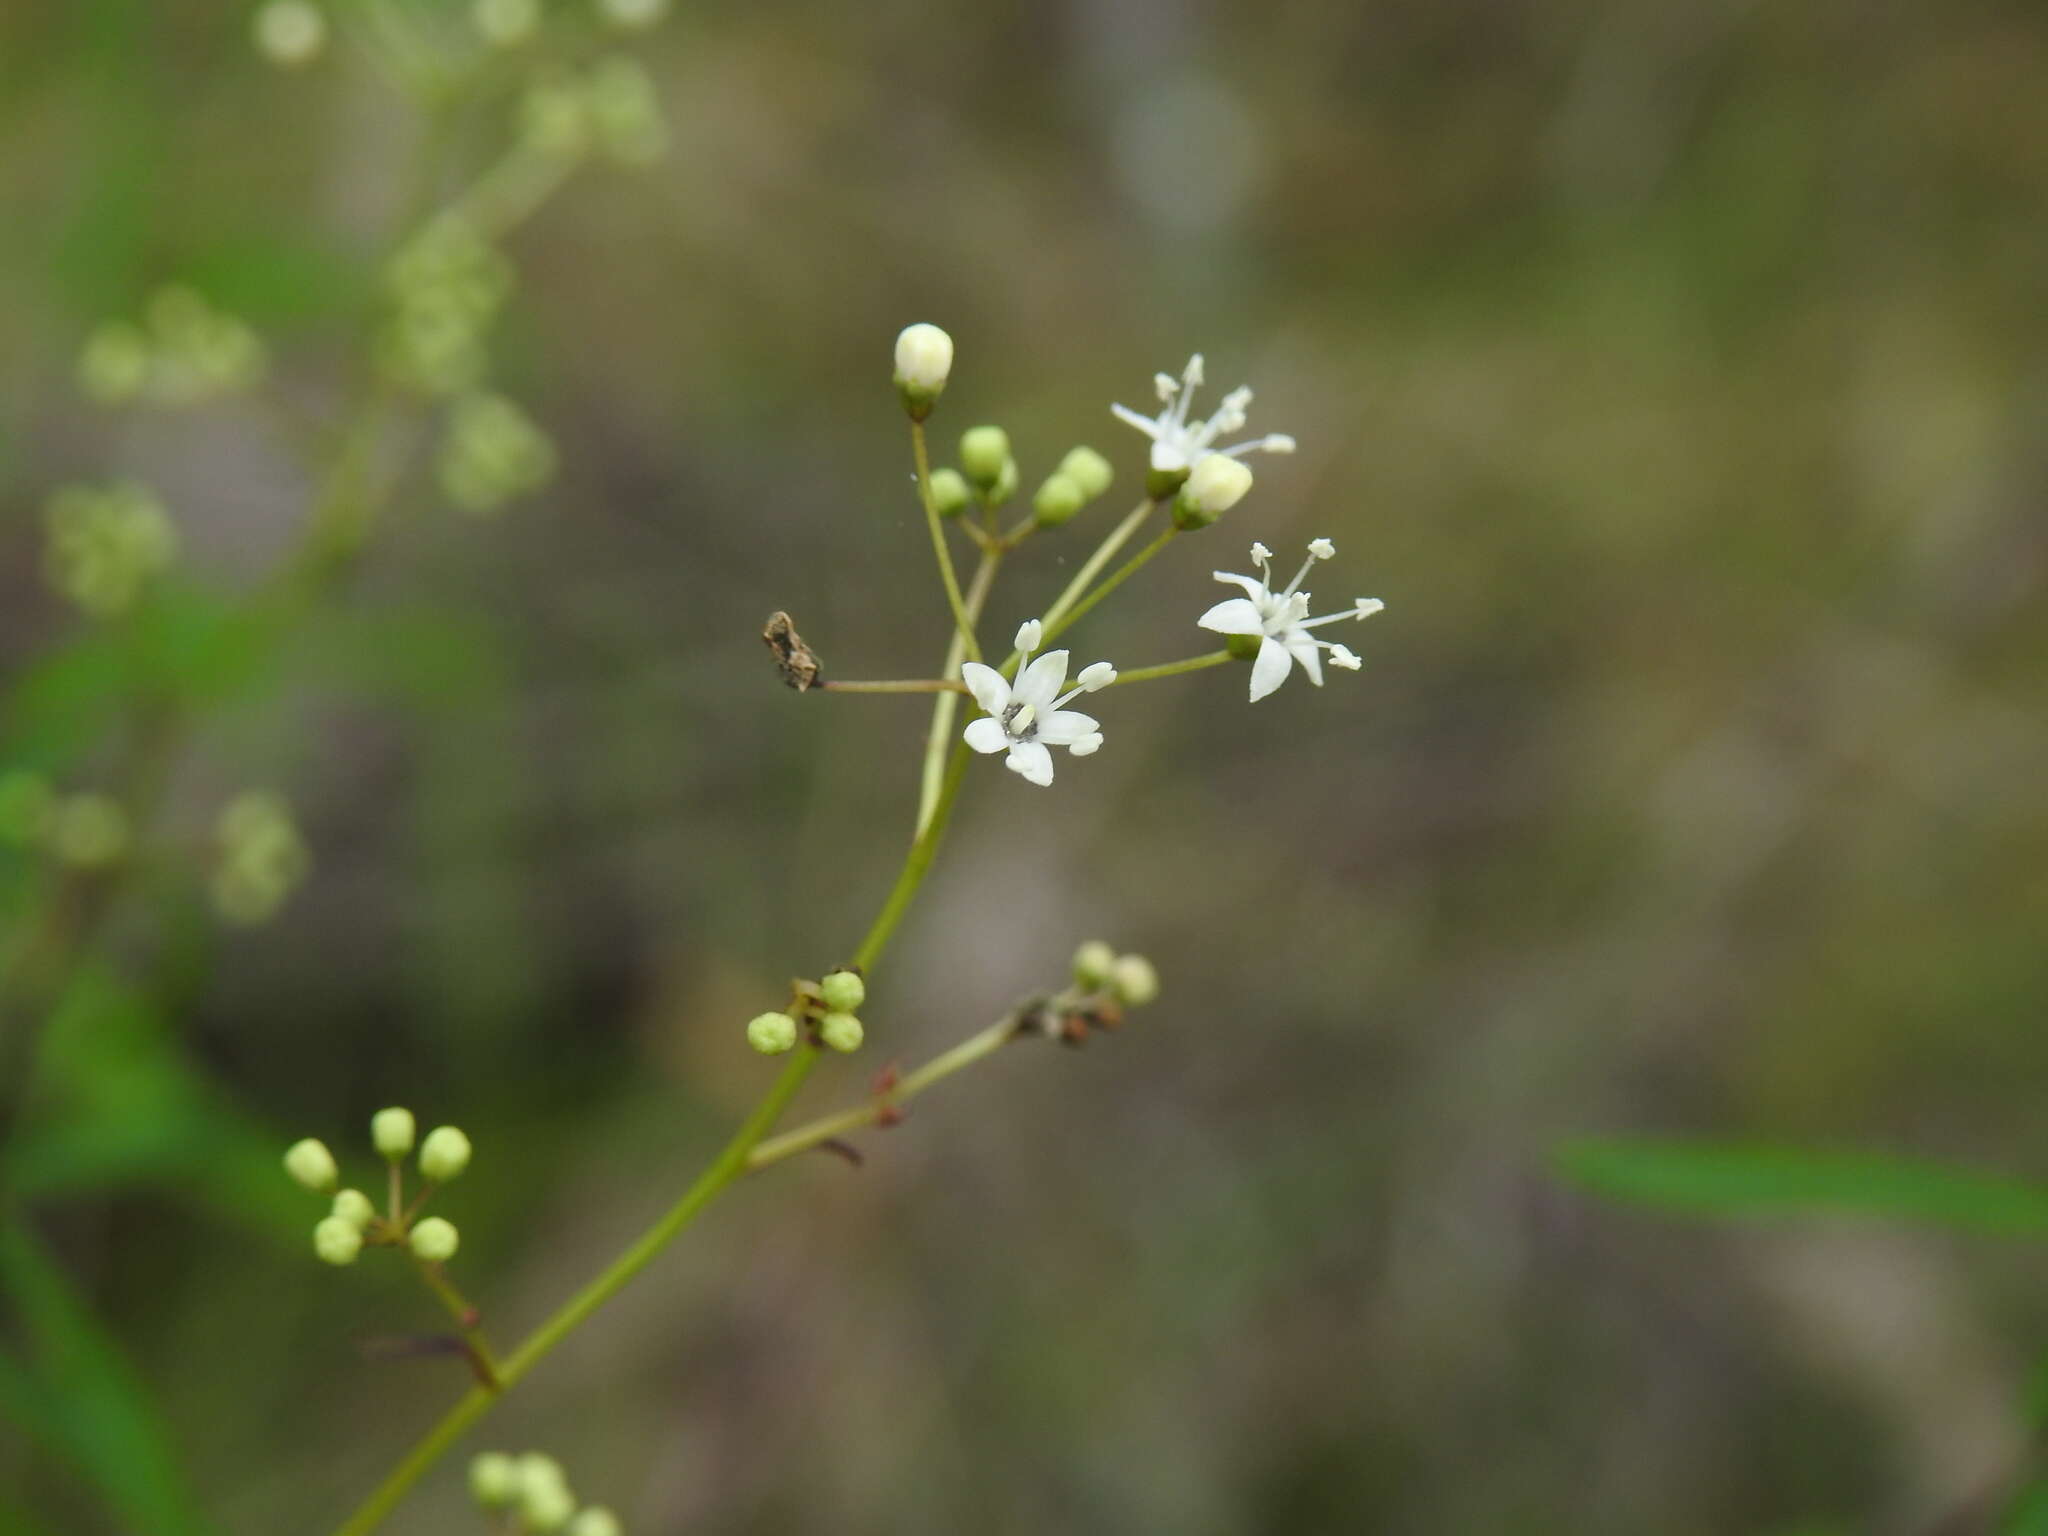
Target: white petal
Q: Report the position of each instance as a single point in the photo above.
(1253, 587)
(1041, 681)
(1166, 458)
(986, 735)
(1031, 760)
(988, 686)
(1305, 651)
(1270, 670)
(1233, 616)
(1064, 727)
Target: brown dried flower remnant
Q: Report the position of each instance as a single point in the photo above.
(797, 662)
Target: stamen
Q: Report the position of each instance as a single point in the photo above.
(1167, 385)
(1321, 549)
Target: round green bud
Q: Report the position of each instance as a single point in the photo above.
(1093, 962)
(494, 1479)
(311, 1164)
(290, 32)
(435, 1240)
(1243, 647)
(771, 1033)
(391, 1132)
(444, 1154)
(1005, 486)
(843, 991)
(337, 1240)
(841, 1031)
(949, 492)
(354, 1207)
(1089, 470)
(1134, 981)
(596, 1521)
(505, 23)
(1056, 501)
(545, 1501)
(114, 366)
(983, 453)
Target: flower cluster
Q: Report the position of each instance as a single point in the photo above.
(1179, 444)
(825, 1009)
(612, 107)
(262, 858)
(532, 1490)
(492, 452)
(447, 285)
(1026, 719)
(184, 352)
(1277, 625)
(87, 830)
(103, 544)
(353, 1220)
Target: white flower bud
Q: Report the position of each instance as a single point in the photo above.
(595, 1521)
(444, 1154)
(1134, 981)
(924, 358)
(1029, 635)
(494, 1479)
(291, 32)
(843, 991)
(1213, 487)
(771, 1033)
(354, 1207)
(311, 1164)
(1092, 963)
(435, 1240)
(391, 1132)
(337, 1240)
(984, 451)
(841, 1031)
(1095, 676)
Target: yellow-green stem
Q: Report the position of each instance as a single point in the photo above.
(1123, 573)
(895, 685)
(465, 1317)
(946, 708)
(1171, 668)
(938, 531)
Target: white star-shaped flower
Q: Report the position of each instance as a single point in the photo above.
(1281, 621)
(1177, 444)
(1024, 718)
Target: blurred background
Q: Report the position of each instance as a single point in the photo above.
(1677, 374)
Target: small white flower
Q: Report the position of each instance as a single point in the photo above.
(1178, 444)
(924, 358)
(1024, 718)
(1281, 621)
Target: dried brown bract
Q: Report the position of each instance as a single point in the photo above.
(797, 662)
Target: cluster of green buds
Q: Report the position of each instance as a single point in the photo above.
(1106, 985)
(104, 543)
(987, 478)
(447, 285)
(824, 1010)
(262, 858)
(353, 1221)
(492, 452)
(532, 1492)
(84, 831)
(612, 108)
(185, 352)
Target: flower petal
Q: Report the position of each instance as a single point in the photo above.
(1253, 587)
(986, 735)
(990, 688)
(1064, 727)
(1040, 683)
(1233, 616)
(1304, 650)
(1270, 670)
(1031, 760)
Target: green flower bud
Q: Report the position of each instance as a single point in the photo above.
(27, 804)
(633, 14)
(595, 1521)
(337, 1240)
(494, 1479)
(625, 111)
(311, 1164)
(1093, 962)
(771, 1033)
(545, 1501)
(444, 1154)
(1213, 487)
(435, 1240)
(1056, 501)
(102, 544)
(843, 991)
(949, 492)
(841, 1031)
(1134, 981)
(290, 32)
(983, 453)
(1005, 486)
(262, 861)
(505, 23)
(89, 831)
(554, 121)
(354, 1207)
(391, 1133)
(493, 451)
(114, 366)
(1089, 470)
(924, 359)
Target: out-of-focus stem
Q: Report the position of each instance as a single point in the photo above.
(946, 707)
(932, 520)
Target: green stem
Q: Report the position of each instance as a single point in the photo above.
(1123, 573)
(1105, 552)
(946, 707)
(897, 685)
(465, 1317)
(938, 532)
(1171, 668)
(828, 1127)
(730, 1163)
